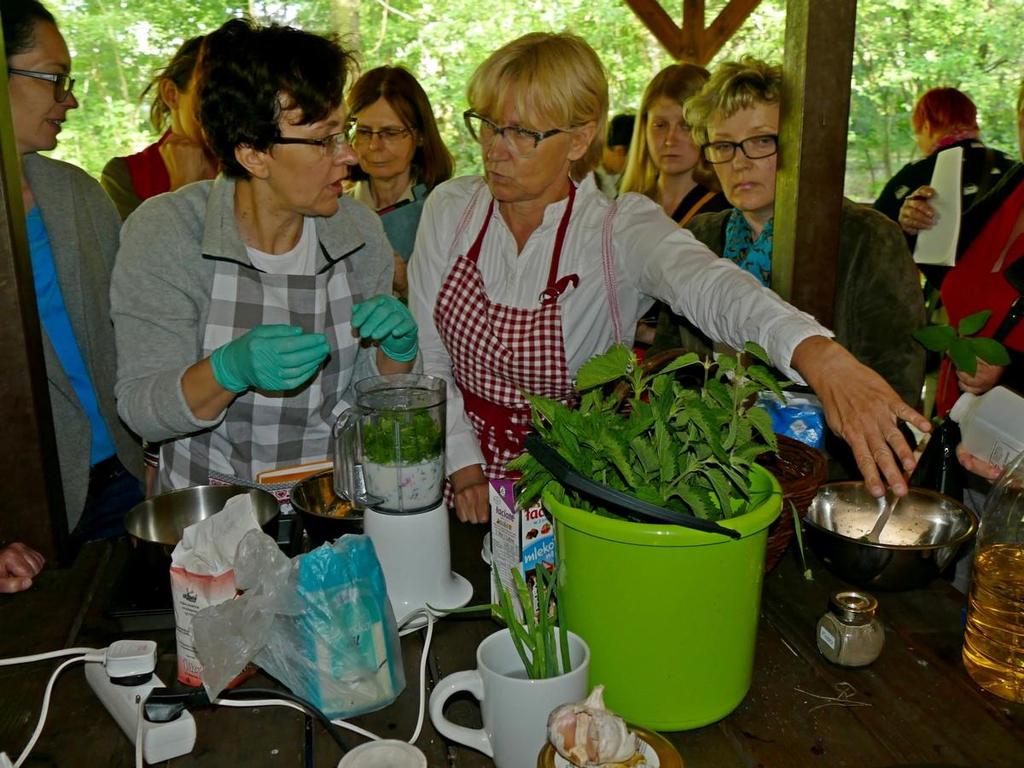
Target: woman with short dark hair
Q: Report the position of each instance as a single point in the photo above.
(246, 307)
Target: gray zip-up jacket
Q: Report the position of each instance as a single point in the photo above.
(82, 227)
(160, 293)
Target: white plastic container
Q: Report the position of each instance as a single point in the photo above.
(992, 424)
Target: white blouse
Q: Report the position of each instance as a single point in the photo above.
(654, 259)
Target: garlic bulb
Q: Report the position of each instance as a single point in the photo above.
(588, 735)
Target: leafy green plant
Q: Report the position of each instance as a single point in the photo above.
(406, 437)
(962, 346)
(687, 449)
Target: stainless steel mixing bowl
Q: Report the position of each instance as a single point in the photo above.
(922, 538)
(163, 519)
(325, 515)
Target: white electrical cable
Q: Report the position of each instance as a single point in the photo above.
(423, 676)
(100, 657)
(49, 655)
(343, 723)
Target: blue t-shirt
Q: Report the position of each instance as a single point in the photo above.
(54, 317)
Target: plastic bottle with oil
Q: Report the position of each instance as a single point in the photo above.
(994, 639)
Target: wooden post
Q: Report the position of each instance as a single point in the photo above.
(33, 499)
(812, 156)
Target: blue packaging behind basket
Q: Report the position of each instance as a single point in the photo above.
(799, 416)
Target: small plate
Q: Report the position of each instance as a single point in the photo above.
(485, 550)
(657, 752)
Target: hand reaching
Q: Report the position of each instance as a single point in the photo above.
(388, 321)
(471, 498)
(19, 564)
(978, 466)
(862, 409)
(186, 161)
(274, 358)
(917, 213)
(984, 378)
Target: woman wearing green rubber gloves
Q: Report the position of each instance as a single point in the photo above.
(245, 307)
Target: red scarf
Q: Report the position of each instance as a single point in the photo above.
(972, 286)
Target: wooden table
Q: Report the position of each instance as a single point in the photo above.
(915, 706)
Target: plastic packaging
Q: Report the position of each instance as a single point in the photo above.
(993, 641)
(848, 633)
(321, 624)
(992, 424)
(799, 416)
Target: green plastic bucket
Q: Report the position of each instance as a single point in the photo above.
(670, 614)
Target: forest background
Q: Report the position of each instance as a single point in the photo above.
(903, 47)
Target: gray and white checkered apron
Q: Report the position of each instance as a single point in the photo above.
(268, 430)
(499, 351)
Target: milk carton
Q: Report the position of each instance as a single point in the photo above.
(520, 538)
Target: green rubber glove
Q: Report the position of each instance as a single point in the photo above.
(387, 320)
(274, 358)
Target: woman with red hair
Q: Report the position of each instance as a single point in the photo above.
(944, 118)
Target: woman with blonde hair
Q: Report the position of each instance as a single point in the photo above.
(878, 303)
(523, 274)
(664, 163)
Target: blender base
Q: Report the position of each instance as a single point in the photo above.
(415, 554)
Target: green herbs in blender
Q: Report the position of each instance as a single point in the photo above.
(402, 437)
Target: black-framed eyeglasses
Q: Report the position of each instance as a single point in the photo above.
(522, 141)
(388, 135)
(63, 84)
(332, 142)
(754, 147)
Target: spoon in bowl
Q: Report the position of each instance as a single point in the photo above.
(883, 519)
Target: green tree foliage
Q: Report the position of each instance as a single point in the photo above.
(903, 48)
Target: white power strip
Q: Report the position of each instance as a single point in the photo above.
(160, 741)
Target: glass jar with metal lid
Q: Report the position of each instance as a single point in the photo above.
(848, 633)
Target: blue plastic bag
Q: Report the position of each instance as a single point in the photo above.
(799, 416)
(320, 623)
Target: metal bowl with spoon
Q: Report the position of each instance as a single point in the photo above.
(916, 539)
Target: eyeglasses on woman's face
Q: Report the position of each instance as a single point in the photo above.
(522, 141)
(332, 143)
(63, 83)
(754, 148)
(389, 135)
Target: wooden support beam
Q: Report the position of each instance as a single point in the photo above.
(660, 24)
(33, 506)
(725, 25)
(812, 156)
(692, 41)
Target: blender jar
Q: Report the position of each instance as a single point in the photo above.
(389, 447)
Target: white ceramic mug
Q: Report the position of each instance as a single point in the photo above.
(387, 753)
(515, 709)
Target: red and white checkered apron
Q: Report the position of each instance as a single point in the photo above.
(497, 351)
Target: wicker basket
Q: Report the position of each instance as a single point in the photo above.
(799, 469)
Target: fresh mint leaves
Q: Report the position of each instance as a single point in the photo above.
(690, 450)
